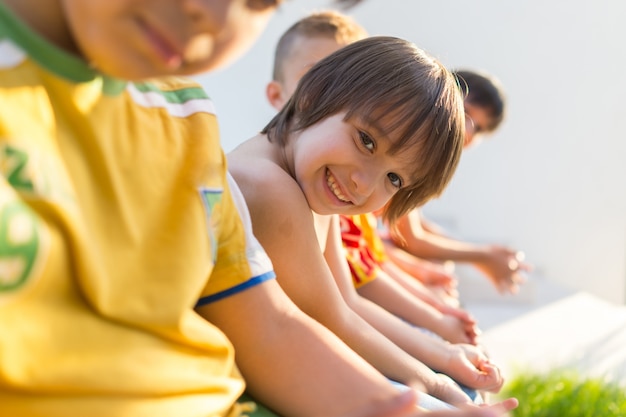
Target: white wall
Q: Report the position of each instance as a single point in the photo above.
(552, 181)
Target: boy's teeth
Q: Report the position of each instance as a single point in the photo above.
(333, 186)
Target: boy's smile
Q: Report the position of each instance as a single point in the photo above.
(341, 169)
(335, 188)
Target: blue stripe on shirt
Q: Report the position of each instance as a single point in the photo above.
(237, 288)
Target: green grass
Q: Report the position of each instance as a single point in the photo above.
(565, 394)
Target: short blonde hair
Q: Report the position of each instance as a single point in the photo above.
(324, 24)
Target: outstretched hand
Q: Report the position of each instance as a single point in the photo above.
(504, 267)
(470, 366)
(459, 325)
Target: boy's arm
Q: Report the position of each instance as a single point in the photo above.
(403, 279)
(297, 367)
(435, 353)
(442, 299)
(427, 272)
(390, 295)
(500, 264)
(437, 292)
(434, 246)
(291, 363)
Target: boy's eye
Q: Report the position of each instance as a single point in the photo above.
(471, 124)
(367, 141)
(395, 180)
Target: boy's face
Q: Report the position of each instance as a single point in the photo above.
(137, 39)
(305, 52)
(344, 166)
(477, 119)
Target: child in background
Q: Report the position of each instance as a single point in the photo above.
(111, 195)
(347, 142)
(307, 41)
(484, 112)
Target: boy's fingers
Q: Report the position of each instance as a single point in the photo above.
(503, 406)
(492, 377)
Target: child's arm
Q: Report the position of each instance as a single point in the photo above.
(418, 289)
(390, 295)
(500, 264)
(426, 272)
(297, 367)
(291, 363)
(437, 295)
(473, 370)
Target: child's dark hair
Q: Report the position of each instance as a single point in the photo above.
(390, 82)
(484, 91)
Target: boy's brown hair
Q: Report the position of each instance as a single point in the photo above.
(324, 24)
(386, 79)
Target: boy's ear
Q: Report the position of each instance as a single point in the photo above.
(274, 94)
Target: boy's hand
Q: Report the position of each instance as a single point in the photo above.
(449, 391)
(470, 366)
(504, 267)
(456, 329)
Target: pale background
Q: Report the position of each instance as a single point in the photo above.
(552, 180)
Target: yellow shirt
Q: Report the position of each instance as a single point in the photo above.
(115, 219)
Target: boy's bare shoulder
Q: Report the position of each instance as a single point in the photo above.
(261, 179)
(281, 216)
(252, 163)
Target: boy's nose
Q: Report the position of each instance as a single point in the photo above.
(365, 181)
